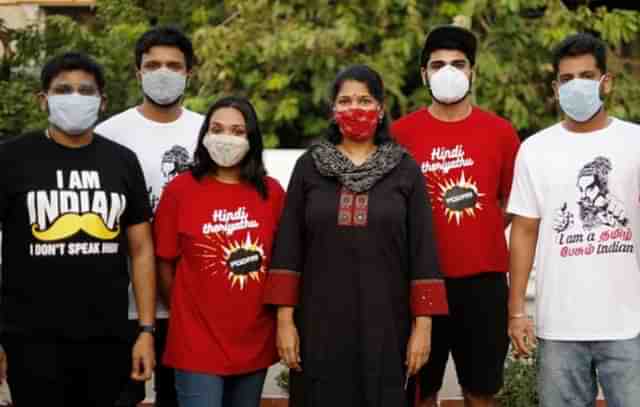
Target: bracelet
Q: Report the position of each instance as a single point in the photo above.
(518, 315)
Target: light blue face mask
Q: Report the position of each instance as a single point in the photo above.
(74, 113)
(580, 98)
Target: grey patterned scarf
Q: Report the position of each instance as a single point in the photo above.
(331, 162)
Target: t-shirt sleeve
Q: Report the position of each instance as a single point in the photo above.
(510, 148)
(165, 224)
(106, 129)
(428, 295)
(283, 279)
(523, 200)
(138, 209)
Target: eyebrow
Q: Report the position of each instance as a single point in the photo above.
(83, 83)
(157, 61)
(445, 60)
(590, 71)
(230, 125)
(357, 96)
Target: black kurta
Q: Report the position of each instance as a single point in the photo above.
(355, 266)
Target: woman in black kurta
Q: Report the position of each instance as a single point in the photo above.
(355, 256)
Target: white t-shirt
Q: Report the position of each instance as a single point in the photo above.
(585, 189)
(163, 149)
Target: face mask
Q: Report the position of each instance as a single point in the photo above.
(226, 150)
(580, 98)
(164, 86)
(74, 113)
(357, 124)
(449, 85)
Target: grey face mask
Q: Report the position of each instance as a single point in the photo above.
(74, 113)
(580, 98)
(226, 150)
(163, 85)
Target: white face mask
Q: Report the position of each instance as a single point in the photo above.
(580, 98)
(74, 113)
(226, 150)
(164, 86)
(449, 85)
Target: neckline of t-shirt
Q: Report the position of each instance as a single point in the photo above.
(176, 122)
(86, 147)
(208, 180)
(454, 123)
(612, 124)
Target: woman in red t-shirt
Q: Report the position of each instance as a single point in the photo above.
(213, 232)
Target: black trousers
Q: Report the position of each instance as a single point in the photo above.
(132, 392)
(51, 372)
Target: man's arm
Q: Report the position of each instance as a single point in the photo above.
(508, 218)
(143, 271)
(144, 287)
(524, 237)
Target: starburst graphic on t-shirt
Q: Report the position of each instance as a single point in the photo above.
(243, 261)
(459, 197)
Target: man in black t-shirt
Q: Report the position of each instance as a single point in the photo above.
(73, 206)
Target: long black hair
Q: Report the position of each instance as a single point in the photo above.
(373, 81)
(251, 167)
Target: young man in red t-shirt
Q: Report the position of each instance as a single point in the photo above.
(467, 157)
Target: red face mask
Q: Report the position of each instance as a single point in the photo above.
(357, 124)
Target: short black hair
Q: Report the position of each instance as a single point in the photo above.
(450, 37)
(71, 61)
(581, 44)
(167, 36)
(373, 81)
(252, 168)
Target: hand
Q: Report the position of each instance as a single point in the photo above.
(563, 219)
(3, 366)
(144, 359)
(288, 343)
(616, 213)
(418, 348)
(522, 334)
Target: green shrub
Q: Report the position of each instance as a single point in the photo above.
(282, 380)
(519, 388)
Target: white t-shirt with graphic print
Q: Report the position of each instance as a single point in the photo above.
(585, 189)
(163, 149)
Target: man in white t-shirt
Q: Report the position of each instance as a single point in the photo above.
(163, 134)
(575, 198)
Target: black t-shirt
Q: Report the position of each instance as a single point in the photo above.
(64, 214)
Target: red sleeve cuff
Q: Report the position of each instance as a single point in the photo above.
(282, 287)
(428, 297)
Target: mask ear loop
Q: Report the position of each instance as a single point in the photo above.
(332, 115)
(600, 82)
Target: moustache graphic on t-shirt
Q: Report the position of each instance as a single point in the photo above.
(72, 223)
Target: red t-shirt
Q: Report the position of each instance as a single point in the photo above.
(468, 169)
(221, 236)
